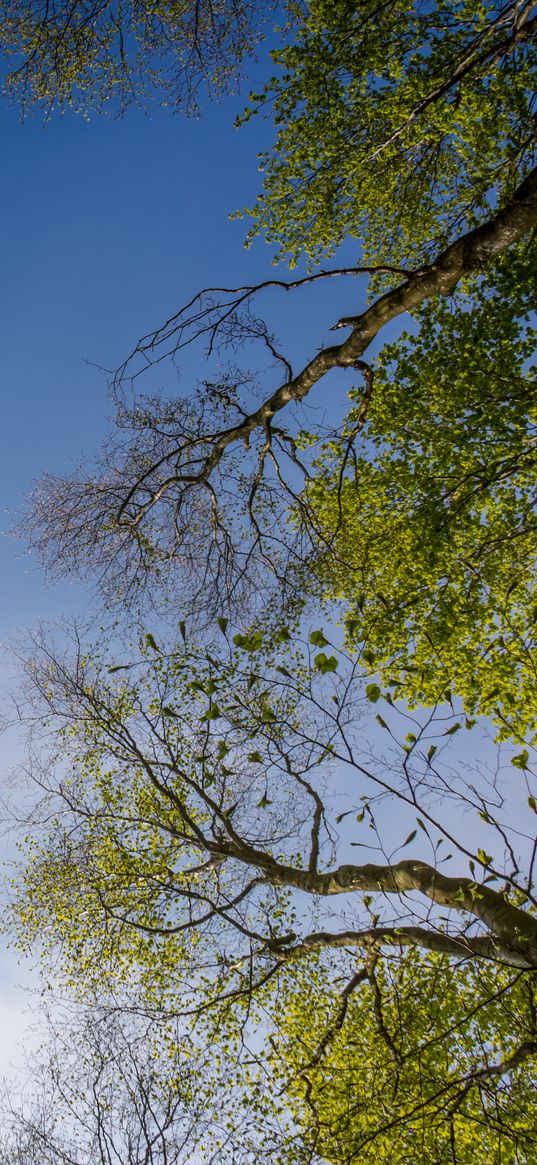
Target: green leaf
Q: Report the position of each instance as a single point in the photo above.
(222, 623)
(262, 804)
(150, 640)
(520, 761)
(325, 663)
(213, 713)
(318, 639)
(251, 642)
(229, 812)
(282, 635)
(373, 693)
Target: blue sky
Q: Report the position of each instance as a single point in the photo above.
(108, 226)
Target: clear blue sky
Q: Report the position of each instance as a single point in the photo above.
(108, 226)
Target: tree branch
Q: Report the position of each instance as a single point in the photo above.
(397, 937)
(463, 257)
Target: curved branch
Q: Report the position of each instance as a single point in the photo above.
(184, 454)
(389, 936)
(209, 310)
(440, 277)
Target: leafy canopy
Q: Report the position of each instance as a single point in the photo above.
(182, 862)
(396, 124)
(86, 53)
(406, 1060)
(429, 514)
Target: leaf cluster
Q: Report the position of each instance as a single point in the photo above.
(396, 123)
(430, 522)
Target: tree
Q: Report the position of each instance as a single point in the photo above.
(430, 533)
(231, 494)
(396, 124)
(201, 804)
(175, 485)
(411, 1059)
(114, 1089)
(194, 835)
(86, 53)
(226, 761)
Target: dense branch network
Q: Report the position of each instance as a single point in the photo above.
(206, 482)
(233, 825)
(87, 53)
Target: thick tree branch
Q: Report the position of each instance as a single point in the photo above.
(512, 932)
(401, 937)
(461, 894)
(463, 257)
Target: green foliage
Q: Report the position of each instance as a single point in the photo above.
(85, 54)
(183, 864)
(189, 813)
(158, 759)
(412, 1066)
(395, 124)
(431, 519)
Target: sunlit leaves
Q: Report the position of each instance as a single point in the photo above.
(394, 124)
(405, 1062)
(431, 541)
